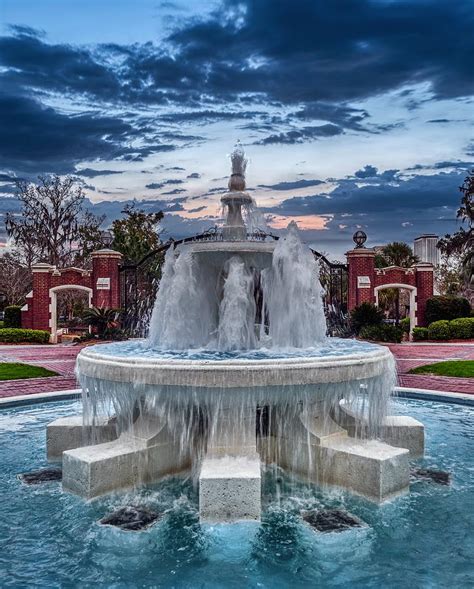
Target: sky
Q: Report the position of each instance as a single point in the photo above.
(354, 114)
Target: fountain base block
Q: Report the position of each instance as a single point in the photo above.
(130, 460)
(230, 489)
(67, 433)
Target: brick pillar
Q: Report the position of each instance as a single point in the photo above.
(105, 278)
(39, 303)
(361, 277)
(424, 274)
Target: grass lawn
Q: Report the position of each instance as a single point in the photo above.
(461, 368)
(15, 370)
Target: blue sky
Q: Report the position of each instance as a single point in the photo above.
(354, 113)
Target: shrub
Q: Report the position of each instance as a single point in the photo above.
(382, 333)
(439, 330)
(1, 324)
(462, 328)
(30, 336)
(405, 324)
(12, 316)
(115, 334)
(364, 315)
(446, 307)
(419, 334)
(102, 318)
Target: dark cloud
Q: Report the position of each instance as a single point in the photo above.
(90, 173)
(302, 135)
(386, 210)
(194, 175)
(366, 172)
(292, 185)
(42, 140)
(174, 191)
(158, 185)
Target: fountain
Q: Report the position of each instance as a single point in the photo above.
(237, 373)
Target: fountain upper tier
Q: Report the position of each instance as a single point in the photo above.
(233, 201)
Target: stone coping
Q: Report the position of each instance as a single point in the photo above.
(235, 373)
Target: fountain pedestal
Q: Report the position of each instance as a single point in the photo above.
(230, 479)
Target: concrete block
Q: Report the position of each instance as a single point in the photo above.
(367, 467)
(230, 489)
(67, 433)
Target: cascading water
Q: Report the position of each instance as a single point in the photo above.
(237, 361)
(293, 295)
(186, 308)
(237, 310)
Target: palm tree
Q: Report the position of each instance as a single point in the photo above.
(101, 318)
(399, 254)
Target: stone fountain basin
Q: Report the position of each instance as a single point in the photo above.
(155, 369)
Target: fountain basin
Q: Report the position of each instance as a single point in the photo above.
(138, 364)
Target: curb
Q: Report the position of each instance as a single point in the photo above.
(429, 395)
(35, 398)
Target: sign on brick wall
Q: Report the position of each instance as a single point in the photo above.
(363, 282)
(103, 283)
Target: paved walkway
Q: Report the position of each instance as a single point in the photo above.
(61, 358)
(412, 355)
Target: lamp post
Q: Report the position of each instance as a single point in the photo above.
(106, 238)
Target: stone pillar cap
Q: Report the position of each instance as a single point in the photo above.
(42, 267)
(361, 251)
(106, 253)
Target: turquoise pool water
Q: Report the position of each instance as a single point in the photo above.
(422, 540)
(332, 347)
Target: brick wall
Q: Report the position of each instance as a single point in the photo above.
(105, 264)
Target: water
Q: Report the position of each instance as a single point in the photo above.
(201, 305)
(50, 539)
(331, 347)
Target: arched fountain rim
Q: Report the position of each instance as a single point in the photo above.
(234, 373)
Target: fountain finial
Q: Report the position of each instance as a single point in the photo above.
(239, 165)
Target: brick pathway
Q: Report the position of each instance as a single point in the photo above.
(61, 358)
(412, 355)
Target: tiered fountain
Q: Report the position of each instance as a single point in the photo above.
(237, 372)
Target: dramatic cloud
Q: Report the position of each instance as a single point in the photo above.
(158, 185)
(90, 173)
(292, 185)
(302, 135)
(291, 76)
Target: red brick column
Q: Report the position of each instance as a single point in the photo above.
(425, 287)
(361, 264)
(39, 304)
(106, 278)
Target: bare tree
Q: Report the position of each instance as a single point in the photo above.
(53, 223)
(15, 278)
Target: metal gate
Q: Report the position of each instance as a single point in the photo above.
(139, 284)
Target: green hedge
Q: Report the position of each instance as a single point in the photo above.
(12, 317)
(20, 336)
(447, 308)
(439, 330)
(382, 333)
(462, 328)
(405, 324)
(419, 334)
